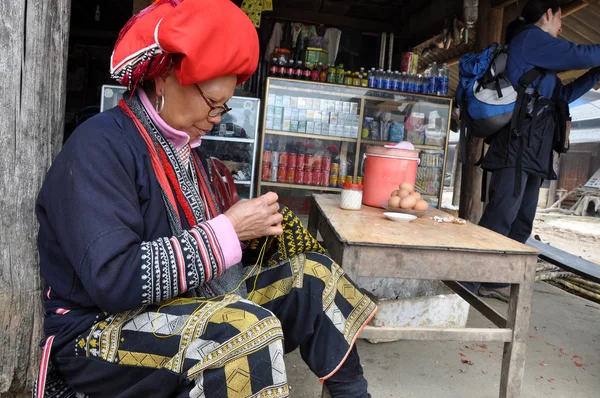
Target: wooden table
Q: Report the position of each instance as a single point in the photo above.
(367, 244)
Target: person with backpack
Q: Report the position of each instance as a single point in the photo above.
(520, 155)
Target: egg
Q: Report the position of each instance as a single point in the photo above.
(416, 195)
(403, 193)
(395, 193)
(394, 202)
(421, 205)
(407, 186)
(408, 202)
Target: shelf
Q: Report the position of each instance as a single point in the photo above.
(313, 136)
(343, 87)
(242, 182)
(296, 186)
(377, 142)
(228, 139)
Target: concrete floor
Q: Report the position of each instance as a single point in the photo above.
(563, 358)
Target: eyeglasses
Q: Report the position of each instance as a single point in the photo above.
(214, 110)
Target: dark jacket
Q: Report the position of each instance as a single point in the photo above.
(532, 48)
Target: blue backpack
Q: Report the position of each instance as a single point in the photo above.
(485, 96)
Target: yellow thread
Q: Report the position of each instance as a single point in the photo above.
(195, 300)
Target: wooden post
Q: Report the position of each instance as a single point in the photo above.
(33, 68)
(489, 30)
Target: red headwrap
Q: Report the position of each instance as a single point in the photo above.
(204, 38)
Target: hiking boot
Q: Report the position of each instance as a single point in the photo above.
(500, 293)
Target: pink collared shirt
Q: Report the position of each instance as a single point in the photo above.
(226, 235)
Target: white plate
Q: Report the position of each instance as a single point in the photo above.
(400, 217)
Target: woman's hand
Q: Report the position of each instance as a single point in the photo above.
(255, 218)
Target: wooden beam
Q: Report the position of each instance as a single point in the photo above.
(436, 334)
(502, 3)
(33, 71)
(573, 7)
(297, 15)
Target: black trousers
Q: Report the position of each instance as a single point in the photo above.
(509, 214)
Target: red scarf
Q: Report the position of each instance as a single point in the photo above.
(167, 179)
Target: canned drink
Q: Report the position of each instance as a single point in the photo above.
(316, 164)
(335, 168)
(291, 161)
(316, 177)
(283, 159)
(299, 176)
(273, 174)
(349, 180)
(282, 174)
(267, 157)
(359, 180)
(275, 158)
(291, 175)
(341, 181)
(325, 178)
(300, 161)
(326, 163)
(344, 168)
(333, 180)
(308, 161)
(308, 176)
(266, 172)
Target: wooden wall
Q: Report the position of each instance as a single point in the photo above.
(578, 165)
(34, 42)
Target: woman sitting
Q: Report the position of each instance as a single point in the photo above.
(151, 290)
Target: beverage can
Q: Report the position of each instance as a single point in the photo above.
(308, 161)
(335, 168)
(266, 172)
(300, 161)
(299, 176)
(344, 165)
(291, 161)
(341, 181)
(333, 180)
(275, 158)
(291, 175)
(326, 163)
(316, 178)
(316, 164)
(273, 174)
(308, 176)
(325, 178)
(359, 180)
(267, 157)
(283, 159)
(282, 174)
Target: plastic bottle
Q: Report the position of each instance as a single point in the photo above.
(433, 78)
(396, 81)
(445, 80)
(322, 72)
(364, 81)
(442, 84)
(379, 78)
(299, 71)
(387, 81)
(331, 74)
(274, 68)
(314, 73)
(371, 78)
(340, 74)
(424, 85)
(402, 86)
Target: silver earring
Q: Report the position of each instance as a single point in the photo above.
(157, 107)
